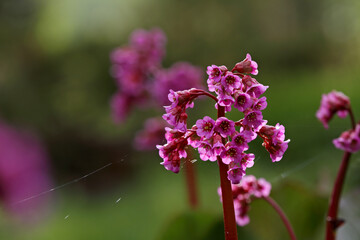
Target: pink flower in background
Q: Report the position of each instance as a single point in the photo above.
(179, 76)
(244, 193)
(332, 103)
(349, 140)
(152, 134)
(24, 172)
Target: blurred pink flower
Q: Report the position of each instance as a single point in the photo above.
(23, 173)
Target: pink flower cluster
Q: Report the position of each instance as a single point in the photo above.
(244, 193)
(140, 77)
(24, 171)
(332, 103)
(336, 102)
(151, 135)
(223, 137)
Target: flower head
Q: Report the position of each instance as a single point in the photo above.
(247, 66)
(349, 140)
(244, 192)
(332, 103)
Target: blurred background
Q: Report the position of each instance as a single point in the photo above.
(83, 178)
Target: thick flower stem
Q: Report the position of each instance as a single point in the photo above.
(227, 197)
(282, 216)
(332, 222)
(191, 181)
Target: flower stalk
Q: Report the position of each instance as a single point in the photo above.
(332, 221)
(227, 197)
(282, 216)
(190, 178)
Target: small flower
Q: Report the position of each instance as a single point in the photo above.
(153, 134)
(349, 140)
(225, 100)
(243, 101)
(205, 127)
(247, 66)
(206, 151)
(248, 160)
(273, 134)
(235, 173)
(218, 146)
(256, 90)
(230, 82)
(276, 151)
(253, 119)
(331, 103)
(260, 104)
(232, 154)
(224, 126)
(214, 73)
(263, 188)
(244, 192)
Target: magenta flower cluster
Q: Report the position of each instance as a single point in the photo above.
(24, 171)
(140, 77)
(244, 193)
(338, 103)
(223, 138)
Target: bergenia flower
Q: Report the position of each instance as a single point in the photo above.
(332, 103)
(247, 66)
(243, 101)
(230, 82)
(205, 127)
(214, 73)
(248, 189)
(349, 140)
(218, 139)
(153, 134)
(224, 126)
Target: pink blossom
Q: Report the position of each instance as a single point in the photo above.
(232, 154)
(224, 126)
(24, 172)
(230, 82)
(243, 101)
(349, 140)
(276, 151)
(206, 151)
(260, 104)
(153, 134)
(235, 173)
(331, 103)
(205, 127)
(218, 146)
(247, 66)
(244, 192)
(179, 76)
(256, 90)
(253, 119)
(214, 73)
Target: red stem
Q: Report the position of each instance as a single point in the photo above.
(332, 222)
(191, 181)
(227, 197)
(282, 216)
(209, 95)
